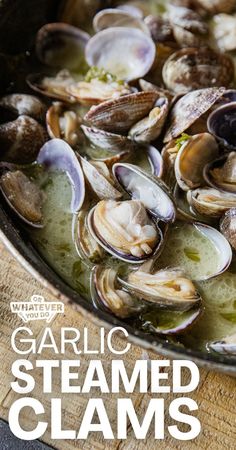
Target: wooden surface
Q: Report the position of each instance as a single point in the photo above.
(216, 396)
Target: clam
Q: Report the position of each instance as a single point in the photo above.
(191, 159)
(217, 6)
(114, 17)
(107, 49)
(155, 160)
(211, 202)
(152, 192)
(23, 196)
(24, 104)
(169, 154)
(222, 124)
(96, 90)
(61, 45)
(224, 30)
(150, 128)
(109, 294)
(109, 141)
(53, 86)
(188, 109)
(160, 29)
(147, 86)
(99, 179)
(168, 288)
(221, 173)
(226, 346)
(86, 245)
(57, 155)
(228, 226)
(125, 230)
(196, 68)
(119, 115)
(21, 140)
(169, 322)
(185, 38)
(187, 18)
(63, 123)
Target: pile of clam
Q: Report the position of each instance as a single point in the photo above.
(156, 85)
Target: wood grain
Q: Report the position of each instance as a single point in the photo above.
(215, 396)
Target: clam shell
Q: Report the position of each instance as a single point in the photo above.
(187, 19)
(107, 49)
(210, 202)
(189, 108)
(57, 155)
(153, 193)
(222, 124)
(150, 128)
(61, 45)
(128, 258)
(114, 17)
(131, 9)
(21, 140)
(24, 104)
(99, 184)
(224, 31)
(120, 114)
(160, 28)
(44, 85)
(197, 68)
(63, 123)
(191, 159)
(109, 295)
(228, 226)
(106, 140)
(86, 245)
(226, 346)
(160, 288)
(23, 196)
(221, 173)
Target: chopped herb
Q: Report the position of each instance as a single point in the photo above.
(101, 75)
(181, 140)
(192, 254)
(77, 269)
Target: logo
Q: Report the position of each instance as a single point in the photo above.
(37, 309)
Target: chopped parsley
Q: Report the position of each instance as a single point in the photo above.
(181, 140)
(101, 75)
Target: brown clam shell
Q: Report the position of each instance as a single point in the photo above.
(189, 108)
(24, 104)
(121, 114)
(196, 68)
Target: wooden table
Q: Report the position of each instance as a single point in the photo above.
(216, 395)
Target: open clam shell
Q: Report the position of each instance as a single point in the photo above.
(52, 86)
(115, 17)
(153, 193)
(226, 346)
(187, 19)
(189, 108)
(211, 202)
(160, 28)
(61, 45)
(131, 9)
(197, 68)
(228, 226)
(119, 115)
(191, 159)
(221, 173)
(155, 160)
(23, 196)
(150, 128)
(63, 123)
(57, 155)
(100, 182)
(224, 31)
(109, 141)
(169, 322)
(166, 289)
(107, 49)
(222, 124)
(131, 236)
(108, 294)
(86, 245)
